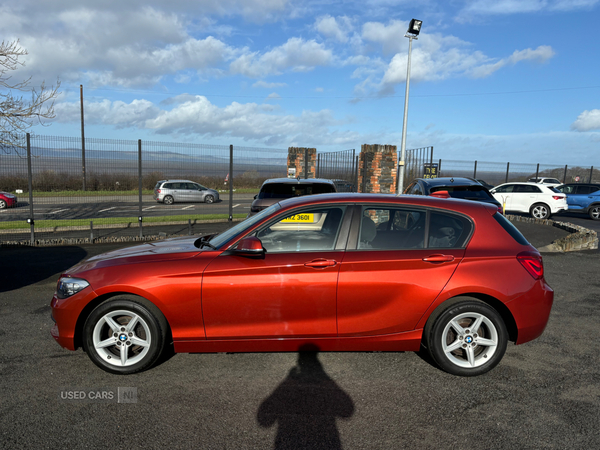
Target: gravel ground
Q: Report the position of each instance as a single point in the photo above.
(544, 394)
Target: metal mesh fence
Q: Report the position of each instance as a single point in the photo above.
(341, 167)
(105, 188)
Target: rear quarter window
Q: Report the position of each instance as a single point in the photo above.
(510, 229)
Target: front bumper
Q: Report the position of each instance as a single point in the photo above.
(65, 313)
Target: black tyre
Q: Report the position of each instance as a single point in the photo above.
(540, 211)
(168, 200)
(466, 337)
(2, 204)
(209, 199)
(124, 335)
(594, 212)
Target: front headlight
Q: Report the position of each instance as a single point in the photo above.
(68, 286)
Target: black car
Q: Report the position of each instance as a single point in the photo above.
(457, 187)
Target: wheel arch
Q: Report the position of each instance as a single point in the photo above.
(87, 310)
(501, 308)
(591, 205)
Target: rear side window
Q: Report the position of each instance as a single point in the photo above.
(510, 229)
(465, 192)
(287, 190)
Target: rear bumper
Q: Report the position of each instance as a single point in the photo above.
(532, 311)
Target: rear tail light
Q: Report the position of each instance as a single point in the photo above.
(532, 262)
(158, 191)
(558, 197)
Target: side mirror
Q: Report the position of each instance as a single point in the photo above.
(256, 196)
(250, 246)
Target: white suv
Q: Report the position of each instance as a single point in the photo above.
(539, 200)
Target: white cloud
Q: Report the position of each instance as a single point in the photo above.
(264, 84)
(587, 121)
(274, 96)
(497, 7)
(196, 115)
(437, 57)
(296, 54)
(332, 28)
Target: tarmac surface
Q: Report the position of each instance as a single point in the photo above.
(544, 394)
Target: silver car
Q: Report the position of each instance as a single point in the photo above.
(171, 191)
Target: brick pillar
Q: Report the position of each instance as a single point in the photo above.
(377, 167)
(296, 160)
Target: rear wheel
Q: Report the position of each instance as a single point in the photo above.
(125, 335)
(466, 338)
(209, 199)
(168, 200)
(540, 211)
(594, 212)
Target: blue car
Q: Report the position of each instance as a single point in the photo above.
(584, 198)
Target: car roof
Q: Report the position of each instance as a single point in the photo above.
(284, 180)
(178, 181)
(450, 181)
(464, 206)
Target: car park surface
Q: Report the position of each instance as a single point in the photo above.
(299, 273)
(542, 395)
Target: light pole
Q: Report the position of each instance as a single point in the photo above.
(414, 28)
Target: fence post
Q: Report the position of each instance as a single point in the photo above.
(475, 170)
(317, 174)
(439, 167)
(565, 175)
(140, 187)
(82, 138)
(230, 185)
(537, 172)
(30, 187)
(591, 174)
(507, 167)
(356, 174)
(306, 163)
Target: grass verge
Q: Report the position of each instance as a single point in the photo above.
(21, 224)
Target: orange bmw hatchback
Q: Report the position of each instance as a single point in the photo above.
(339, 272)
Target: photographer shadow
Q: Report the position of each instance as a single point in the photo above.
(305, 406)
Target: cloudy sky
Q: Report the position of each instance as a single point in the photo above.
(491, 80)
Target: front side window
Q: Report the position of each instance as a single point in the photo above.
(313, 229)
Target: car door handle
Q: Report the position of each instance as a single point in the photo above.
(321, 263)
(438, 258)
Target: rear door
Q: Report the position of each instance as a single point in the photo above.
(399, 260)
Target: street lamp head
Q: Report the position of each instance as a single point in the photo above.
(414, 27)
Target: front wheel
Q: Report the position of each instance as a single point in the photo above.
(540, 211)
(209, 199)
(2, 204)
(467, 338)
(594, 212)
(125, 335)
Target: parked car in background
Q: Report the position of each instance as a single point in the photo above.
(584, 198)
(171, 191)
(381, 272)
(538, 200)
(276, 189)
(464, 188)
(546, 181)
(7, 200)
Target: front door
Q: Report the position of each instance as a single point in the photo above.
(291, 292)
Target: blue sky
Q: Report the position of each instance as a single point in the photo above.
(491, 80)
